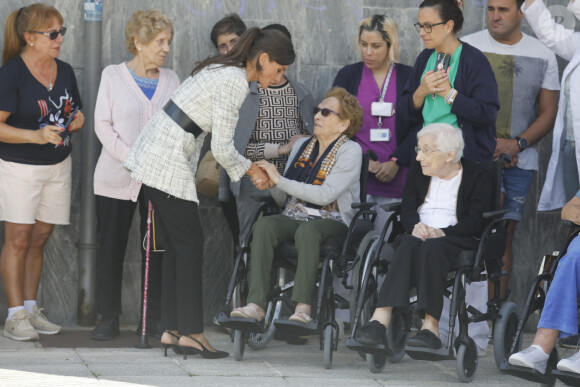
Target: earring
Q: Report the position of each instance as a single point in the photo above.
(139, 49)
(31, 44)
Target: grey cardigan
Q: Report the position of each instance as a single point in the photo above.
(342, 183)
(247, 123)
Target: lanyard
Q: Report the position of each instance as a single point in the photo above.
(385, 85)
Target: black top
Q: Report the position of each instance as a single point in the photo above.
(32, 106)
(475, 106)
(349, 77)
(475, 196)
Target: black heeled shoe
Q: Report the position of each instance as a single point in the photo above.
(175, 347)
(204, 352)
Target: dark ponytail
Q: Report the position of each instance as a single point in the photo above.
(448, 10)
(250, 46)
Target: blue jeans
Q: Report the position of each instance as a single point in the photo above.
(515, 183)
(560, 309)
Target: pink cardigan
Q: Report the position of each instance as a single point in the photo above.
(121, 112)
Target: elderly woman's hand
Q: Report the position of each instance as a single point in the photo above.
(77, 122)
(421, 231)
(259, 177)
(435, 233)
(270, 169)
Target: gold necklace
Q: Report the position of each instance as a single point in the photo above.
(49, 88)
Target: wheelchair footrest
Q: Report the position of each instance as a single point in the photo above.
(424, 353)
(241, 324)
(295, 328)
(529, 374)
(378, 349)
(568, 378)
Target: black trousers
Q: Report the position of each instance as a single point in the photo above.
(114, 219)
(423, 265)
(181, 293)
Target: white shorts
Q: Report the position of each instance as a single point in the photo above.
(35, 192)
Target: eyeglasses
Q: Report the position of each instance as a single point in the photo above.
(426, 27)
(53, 34)
(426, 151)
(225, 47)
(324, 111)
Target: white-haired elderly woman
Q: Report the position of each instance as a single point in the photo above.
(444, 199)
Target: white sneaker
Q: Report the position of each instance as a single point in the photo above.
(571, 364)
(41, 323)
(532, 357)
(19, 328)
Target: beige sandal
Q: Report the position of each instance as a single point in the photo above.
(249, 311)
(301, 317)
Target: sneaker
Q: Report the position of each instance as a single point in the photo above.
(19, 328)
(106, 330)
(571, 364)
(41, 324)
(532, 357)
(572, 342)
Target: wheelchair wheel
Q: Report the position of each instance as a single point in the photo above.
(376, 362)
(239, 345)
(467, 361)
(397, 335)
(367, 246)
(504, 332)
(328, 339)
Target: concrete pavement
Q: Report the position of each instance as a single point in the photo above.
(279, 364)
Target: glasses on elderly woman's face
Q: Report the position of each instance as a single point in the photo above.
(53, 34)
(427, 27)
(425, 151)
(324, 111)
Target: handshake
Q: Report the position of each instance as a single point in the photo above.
(264, 175)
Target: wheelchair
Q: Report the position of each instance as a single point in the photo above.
(535, 302)
(373, 259)
(335, 251)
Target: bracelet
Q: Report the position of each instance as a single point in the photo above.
(396, 160)
(450, 98)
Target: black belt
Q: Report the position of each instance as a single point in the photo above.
(182, 119)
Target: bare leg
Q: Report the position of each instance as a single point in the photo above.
(383, 315)
(546, 338)
(40, 233)
(13, 261)
(303, 308)
(431, 324)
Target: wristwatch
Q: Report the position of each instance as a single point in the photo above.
(522, 143)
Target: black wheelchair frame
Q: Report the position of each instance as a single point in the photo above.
(335, 252)
(535, 302)
(373, 260)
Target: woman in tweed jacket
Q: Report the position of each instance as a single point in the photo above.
(165, 156)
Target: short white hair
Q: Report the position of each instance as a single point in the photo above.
(447, 138)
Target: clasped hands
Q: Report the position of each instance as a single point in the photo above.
(424, 232)
(264, 175)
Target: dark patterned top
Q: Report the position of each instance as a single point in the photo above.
(278, 120)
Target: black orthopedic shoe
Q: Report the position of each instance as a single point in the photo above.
(372, 333)
(107, 329)
(426, 339)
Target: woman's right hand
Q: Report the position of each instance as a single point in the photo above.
(49, 134)
(421, 231)
(259, 178)
(433, 83)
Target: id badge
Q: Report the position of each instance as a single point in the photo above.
(383, 109)
(380, 134)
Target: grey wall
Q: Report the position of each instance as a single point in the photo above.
(324, 33)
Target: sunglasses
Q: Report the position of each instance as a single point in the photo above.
(324, 111)
(54, 34)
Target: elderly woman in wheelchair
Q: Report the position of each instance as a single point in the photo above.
(444, 199)
(317, 189)
(560, 312)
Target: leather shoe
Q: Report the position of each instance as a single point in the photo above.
(107, 329)
(372, 333)
(425, 339)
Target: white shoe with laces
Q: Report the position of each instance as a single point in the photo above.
(39, 322)
(571, 364)
(19, 328)
(532, 357)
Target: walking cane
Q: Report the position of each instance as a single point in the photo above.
(143, 343)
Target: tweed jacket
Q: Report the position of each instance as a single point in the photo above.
(165, 157)
(247, 122)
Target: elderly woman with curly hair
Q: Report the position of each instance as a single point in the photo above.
(129, 94)
(318, 188)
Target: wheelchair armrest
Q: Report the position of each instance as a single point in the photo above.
(363, 206)
(390, 207)
(495, 214)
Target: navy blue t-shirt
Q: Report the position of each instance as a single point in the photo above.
(32, 106)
